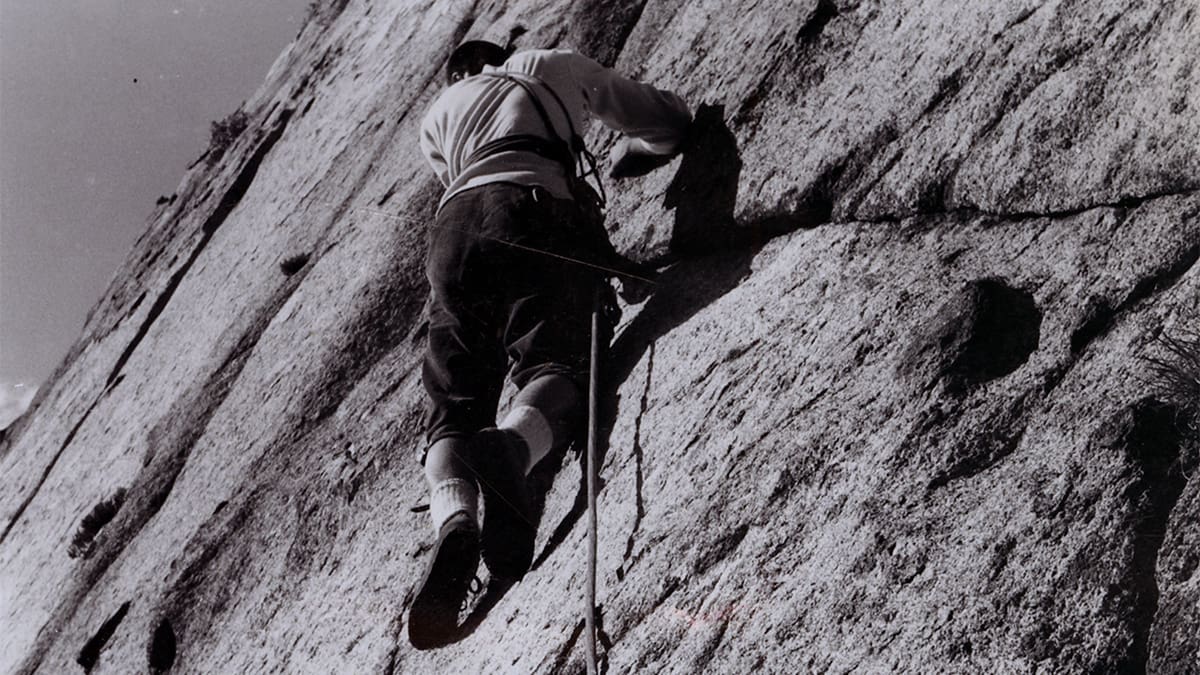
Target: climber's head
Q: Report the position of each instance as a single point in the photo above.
(470, 58)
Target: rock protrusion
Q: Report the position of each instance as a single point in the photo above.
(1099, 315)
(1096, 318)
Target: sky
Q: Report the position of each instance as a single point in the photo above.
(103, 104)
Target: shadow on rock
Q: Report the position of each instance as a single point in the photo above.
(704, 189)
(496, 590)
(709, 255)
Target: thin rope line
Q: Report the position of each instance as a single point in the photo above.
(592, 477)
(483, 484)
(416, 221)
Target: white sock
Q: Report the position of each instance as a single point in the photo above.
(533, 428)
(450, 497)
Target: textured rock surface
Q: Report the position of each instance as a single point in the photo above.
(887, 410)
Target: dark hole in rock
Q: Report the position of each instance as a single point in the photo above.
(162, 648)
(294, 264)
(932, 198)
(986, 331)
(89, 656)
(100, 515)
(1001, 334)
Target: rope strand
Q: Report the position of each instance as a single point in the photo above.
(592, 443)
(413, 220)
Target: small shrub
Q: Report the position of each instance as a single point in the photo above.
(323, 12)
(100, 515)
(294, 264)
(313, 11)
(1175, 376)
(224, 133)
(1176, 373)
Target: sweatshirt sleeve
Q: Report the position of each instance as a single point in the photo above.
(431, 147)
(656, 119)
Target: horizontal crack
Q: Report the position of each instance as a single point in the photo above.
(1124, 203)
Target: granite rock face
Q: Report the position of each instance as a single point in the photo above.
(892, 407)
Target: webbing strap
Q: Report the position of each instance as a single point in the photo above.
(575, 144)
(554, 150)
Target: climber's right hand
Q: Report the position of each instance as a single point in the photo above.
(637, 283)
(631, 160)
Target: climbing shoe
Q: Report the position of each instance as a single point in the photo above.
(433, 617)
(508, 522)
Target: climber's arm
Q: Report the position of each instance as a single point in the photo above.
(654, 121)
(431, 147)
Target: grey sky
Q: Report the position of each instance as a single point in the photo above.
(85, 149)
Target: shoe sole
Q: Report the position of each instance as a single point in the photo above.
(433, 617)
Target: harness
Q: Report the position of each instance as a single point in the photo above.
(572, 154)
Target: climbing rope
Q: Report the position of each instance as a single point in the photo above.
(592, 438)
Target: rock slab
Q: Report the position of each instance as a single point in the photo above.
(912, 393)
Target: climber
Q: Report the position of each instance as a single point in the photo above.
(515, 253)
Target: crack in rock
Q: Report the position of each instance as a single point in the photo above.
(20, 511)
(1099, 317)
(1149, 435)
(232, 197)
(1127, 202)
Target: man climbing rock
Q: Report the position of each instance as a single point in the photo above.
(514, 257)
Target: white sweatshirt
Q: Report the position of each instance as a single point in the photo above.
(477, 110)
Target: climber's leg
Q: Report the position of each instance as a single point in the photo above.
(544, 415)
(462, 373)
(547, 335)
(453, 506)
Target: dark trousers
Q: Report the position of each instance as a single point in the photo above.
(505, 292)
